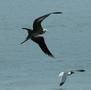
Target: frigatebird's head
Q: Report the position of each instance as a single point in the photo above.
(28, 36)
(44, 30)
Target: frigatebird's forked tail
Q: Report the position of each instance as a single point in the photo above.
(40, 41)
(28, 36)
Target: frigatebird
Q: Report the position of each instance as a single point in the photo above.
(34, 34)
(63, 75)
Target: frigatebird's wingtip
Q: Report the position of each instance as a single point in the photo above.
(57, 12)
(49, 54)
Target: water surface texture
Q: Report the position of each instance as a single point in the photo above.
(26, 67)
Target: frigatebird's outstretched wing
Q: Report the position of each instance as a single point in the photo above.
(40, 41)
(37, 22)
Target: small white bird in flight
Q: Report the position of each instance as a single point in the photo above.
(63, 75)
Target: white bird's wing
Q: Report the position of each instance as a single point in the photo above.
(79, 70)
(63, 79)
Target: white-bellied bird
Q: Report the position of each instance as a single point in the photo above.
(63, 75)
(35, 33)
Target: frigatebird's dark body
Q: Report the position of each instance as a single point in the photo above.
(34, 34)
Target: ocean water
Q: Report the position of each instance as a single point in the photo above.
(26, 67)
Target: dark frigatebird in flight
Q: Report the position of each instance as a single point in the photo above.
(34, 34)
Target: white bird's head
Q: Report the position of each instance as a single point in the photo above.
(70, 73)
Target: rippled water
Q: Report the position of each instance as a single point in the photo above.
(26, 67)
